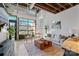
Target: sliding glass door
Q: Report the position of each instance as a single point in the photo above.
(26, 27)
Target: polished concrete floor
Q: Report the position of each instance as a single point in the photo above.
(20, 49)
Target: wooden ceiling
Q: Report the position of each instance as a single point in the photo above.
(52, 7)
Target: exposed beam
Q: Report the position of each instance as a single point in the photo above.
(45, 8)
(75, 4)
(70, 4)
(61, 5)
(23, 4)
(53, 6)
(67, 5)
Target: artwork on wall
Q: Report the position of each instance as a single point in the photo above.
(46, 28)
(56, 25)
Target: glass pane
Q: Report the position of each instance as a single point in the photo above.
(26, 26)
(24, 21)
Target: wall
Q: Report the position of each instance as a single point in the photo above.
(44, 18)
(69, 19)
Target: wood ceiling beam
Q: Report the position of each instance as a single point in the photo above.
(45, 8)
(23, 4)
(67, 5)
(53, 6)
(75, 4)
(38, 6)
(70, 4)
(61, 5)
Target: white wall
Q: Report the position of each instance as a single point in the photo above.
(69, 19)
(45, 19)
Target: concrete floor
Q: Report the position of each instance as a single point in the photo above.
(20, 49)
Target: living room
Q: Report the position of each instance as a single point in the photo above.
(67, 28)
(43, 29)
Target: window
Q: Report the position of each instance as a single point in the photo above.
(26, 26)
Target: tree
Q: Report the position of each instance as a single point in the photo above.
(11, 31)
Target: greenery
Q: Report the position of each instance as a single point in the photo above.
(11, 31)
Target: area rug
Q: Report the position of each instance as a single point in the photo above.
(35, 51)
